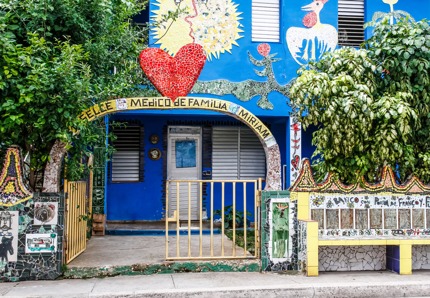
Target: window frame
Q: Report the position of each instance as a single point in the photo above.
(138, 147)
(351, 12)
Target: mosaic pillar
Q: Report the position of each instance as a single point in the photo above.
(295, 148)
(99, 180)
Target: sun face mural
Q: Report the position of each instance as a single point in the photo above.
(310, 42)
(212, 24)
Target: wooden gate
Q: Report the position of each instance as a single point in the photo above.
(77, 212)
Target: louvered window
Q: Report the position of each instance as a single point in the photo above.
(237, 153)
(127, 160)
(351, 22)
(265, 20)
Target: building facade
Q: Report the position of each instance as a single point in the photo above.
(252, 50)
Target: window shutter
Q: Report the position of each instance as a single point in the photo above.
(126, 161)
(265, 20)
(225, 148)
(351, 22)
(237, 153)
(252, 156)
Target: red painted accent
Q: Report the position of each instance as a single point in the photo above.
(310, 19)
(296, 126)
(173, 76)
(191, 34)
(295, 162)
(263, 49)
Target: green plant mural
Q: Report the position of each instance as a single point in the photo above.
(280, 232)
(393, 14)
(246, 90)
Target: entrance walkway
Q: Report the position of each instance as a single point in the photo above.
(121, 251)
(135, 243)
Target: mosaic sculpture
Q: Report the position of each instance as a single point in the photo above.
(305, 182)
(12, 188)
(41, 257)
(31, 227)
(249, 89)
(173, 76)
(362, 209)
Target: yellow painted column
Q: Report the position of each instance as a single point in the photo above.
(405, 258)
(312, 248)
(303, 212)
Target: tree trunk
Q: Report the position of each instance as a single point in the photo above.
(51, 179)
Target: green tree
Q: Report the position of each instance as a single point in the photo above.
(57, 58)
(371, 106)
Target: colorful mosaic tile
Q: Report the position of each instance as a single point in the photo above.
(173, 76)
(31, 227)
(306, 183)
(295, 148)
(302, 245)
(99, 181)
(279, 236)
(12, 188)
(45, 261)
(248, 89)
(214, 24)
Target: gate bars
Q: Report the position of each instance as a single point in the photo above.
(203, 238)
(76, 226)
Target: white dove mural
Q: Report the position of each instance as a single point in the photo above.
(311, 42)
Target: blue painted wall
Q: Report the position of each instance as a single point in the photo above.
(143, 200)
(139, 200)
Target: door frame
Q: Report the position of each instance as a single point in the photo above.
(191, 132)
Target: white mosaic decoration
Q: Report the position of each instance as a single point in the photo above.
(302, 245)
(295, 148)
(420, 257)
(351, 258)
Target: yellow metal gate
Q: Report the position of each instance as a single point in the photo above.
(204, 238)
(78, 204)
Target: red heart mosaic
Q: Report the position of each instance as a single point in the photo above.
(295, 162)
(173, 76)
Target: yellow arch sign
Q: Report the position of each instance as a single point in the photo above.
(273, 178)
(164, 103)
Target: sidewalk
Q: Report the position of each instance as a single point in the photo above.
(230, 284)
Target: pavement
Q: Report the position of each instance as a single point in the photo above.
(230, 284)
